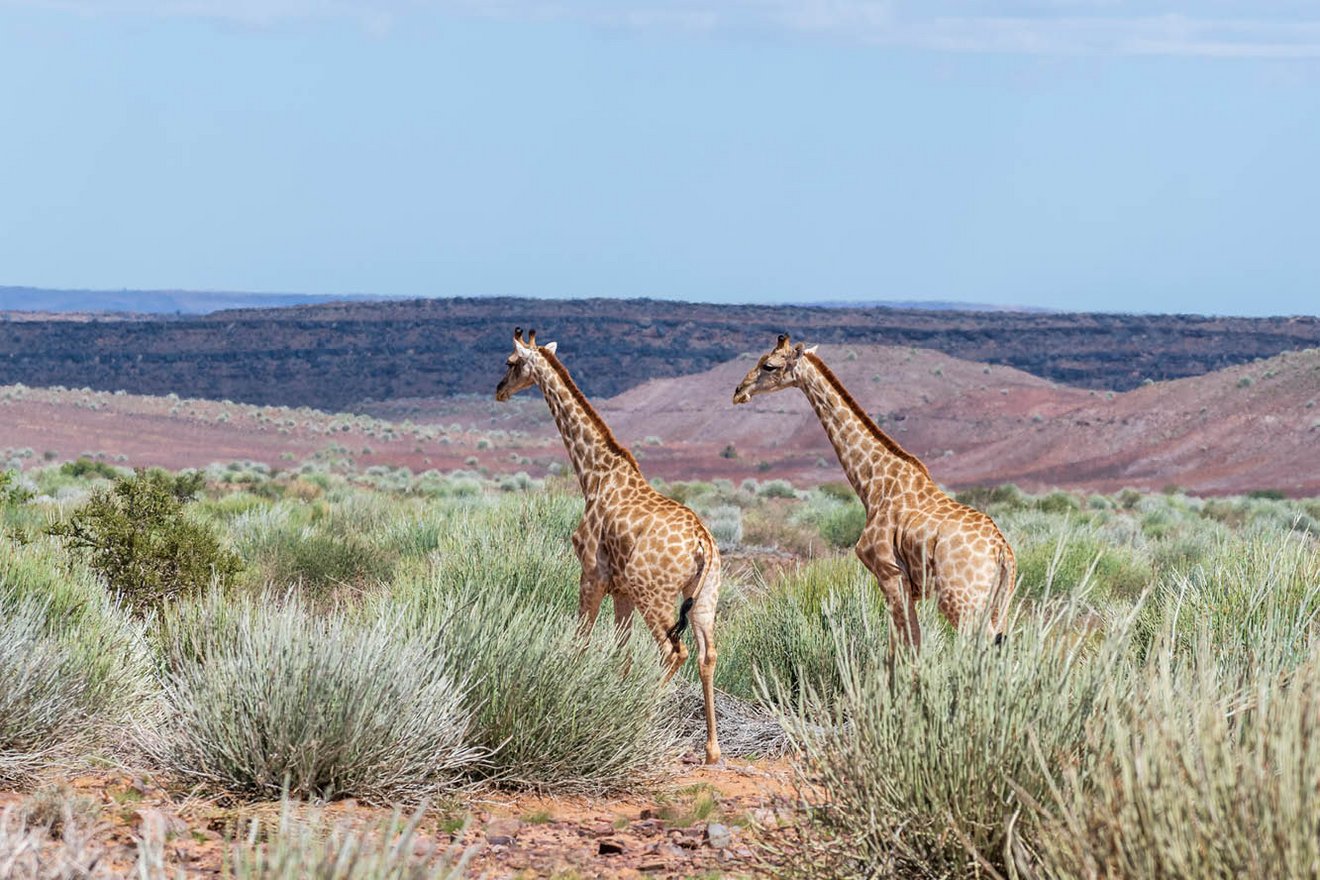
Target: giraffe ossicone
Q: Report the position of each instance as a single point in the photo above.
(645, 550)
(917, 541)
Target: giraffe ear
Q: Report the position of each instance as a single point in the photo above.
(797, 349)
(551, 347)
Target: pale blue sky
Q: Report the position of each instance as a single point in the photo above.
(1080, 154)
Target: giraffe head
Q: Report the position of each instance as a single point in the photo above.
(519, 372)
(775, 370)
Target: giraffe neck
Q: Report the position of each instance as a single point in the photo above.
(592, 449)
(876, 466)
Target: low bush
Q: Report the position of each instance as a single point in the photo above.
(842, 526)
(785, 635)
(46, 701)
(1065, 560)
(77, 619)
(552, 711)
(519, 544)
(926, 769)
(1256, 600)
(135, 534)
(262, 700)
(1195, 777)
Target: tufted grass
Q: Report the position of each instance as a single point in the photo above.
(263, 699)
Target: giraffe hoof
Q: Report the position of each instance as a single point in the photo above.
(713, 755)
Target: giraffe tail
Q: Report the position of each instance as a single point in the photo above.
(676, 631)
(1004, 589)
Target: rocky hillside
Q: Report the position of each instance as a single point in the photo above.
(343, 356)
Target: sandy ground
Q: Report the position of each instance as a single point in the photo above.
(697, 821)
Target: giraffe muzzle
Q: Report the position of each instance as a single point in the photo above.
(742, 394)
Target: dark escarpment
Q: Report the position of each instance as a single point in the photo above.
(338, 356)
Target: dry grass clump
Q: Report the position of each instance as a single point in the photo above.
(264, 699)
(48, 700)
(924, 769)
(304, 846)
(1194, 777)
(550, 711)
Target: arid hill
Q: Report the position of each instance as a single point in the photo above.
(344, 356)
(1249, 427)
(1254, 426)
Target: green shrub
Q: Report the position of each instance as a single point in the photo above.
(312, 559)
(725, 524)
(1073, 560)
(85, 467)
(842, 526)
(785, 635)
(136, 535)
(989, 499)
(1255, 599)
(519, 544)
(1058, 502)
(776, 489)
(11, 492)
(262, 700)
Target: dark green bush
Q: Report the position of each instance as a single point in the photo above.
(843, 525)
(837, 490)
(136, 535)
(88, 467)
(10, 491)
(1003, 497)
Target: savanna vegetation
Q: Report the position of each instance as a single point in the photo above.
(401, 639)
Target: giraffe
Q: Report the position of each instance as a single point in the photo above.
(636, 545)
(917, 540)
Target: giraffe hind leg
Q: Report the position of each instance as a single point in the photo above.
(704, 629)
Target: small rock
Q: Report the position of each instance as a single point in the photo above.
(671, 851)
(611, 847)
(765, 817)
(647, 813)
(657, 865)
(602, 829)
(501, 832)
(648, 827)
(718, 836)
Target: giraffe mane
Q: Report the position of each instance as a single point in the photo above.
(611, 441)
(884, 439)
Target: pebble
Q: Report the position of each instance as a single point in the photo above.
(501, 832)
(718, 836)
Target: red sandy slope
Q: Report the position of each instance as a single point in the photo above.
(1247, 427)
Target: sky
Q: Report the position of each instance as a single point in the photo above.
(1113, 155)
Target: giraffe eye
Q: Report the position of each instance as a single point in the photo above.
(769, 368)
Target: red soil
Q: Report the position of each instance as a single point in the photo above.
(1248, 427)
